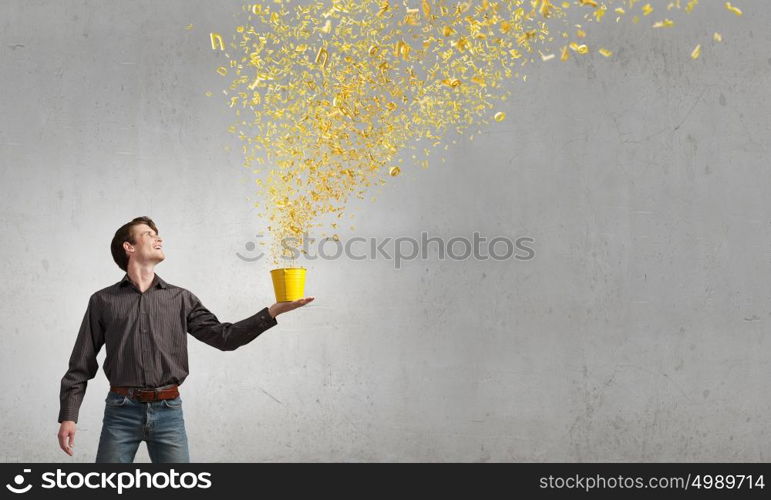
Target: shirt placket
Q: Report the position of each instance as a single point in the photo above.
(144, 343)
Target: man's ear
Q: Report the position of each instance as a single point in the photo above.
(128, 246)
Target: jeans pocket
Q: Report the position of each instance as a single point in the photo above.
(115, 399)
(173, 403)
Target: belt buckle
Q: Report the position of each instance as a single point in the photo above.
(138, 393)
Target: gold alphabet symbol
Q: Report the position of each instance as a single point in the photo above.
(216, 41)
(321, 57)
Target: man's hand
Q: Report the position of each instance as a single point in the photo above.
(67, 436)
(282, 307)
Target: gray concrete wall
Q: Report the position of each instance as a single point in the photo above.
(638, 332)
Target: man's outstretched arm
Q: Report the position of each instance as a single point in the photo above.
(204, 325)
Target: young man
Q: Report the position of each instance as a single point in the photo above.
(143, 322)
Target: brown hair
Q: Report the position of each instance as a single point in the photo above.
(124, 234)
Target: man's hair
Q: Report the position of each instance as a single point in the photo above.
(124, 233)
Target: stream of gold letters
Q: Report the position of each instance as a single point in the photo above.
(327, 94)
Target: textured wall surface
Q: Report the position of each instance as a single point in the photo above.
(638, 332)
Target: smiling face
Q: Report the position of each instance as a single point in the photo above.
(147, 247)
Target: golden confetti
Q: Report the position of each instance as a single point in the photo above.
(666, 23)
(546, 8)
(581, 49)
(696, 52)
(733, 9)
(216, 41)
(326, 95)
(321, 57)
(717, 37)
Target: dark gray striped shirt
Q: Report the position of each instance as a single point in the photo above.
(145, 338)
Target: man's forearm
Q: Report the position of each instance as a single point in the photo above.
(229, 336)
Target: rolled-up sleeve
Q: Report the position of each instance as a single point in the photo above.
(83, 365)
(204, 325)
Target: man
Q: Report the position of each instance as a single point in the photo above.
(143, 321)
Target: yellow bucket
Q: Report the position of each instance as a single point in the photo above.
(288, 283)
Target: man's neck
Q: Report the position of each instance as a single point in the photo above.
(141, 276)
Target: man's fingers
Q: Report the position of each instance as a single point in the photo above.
(304, 301)
(289, 306)
(67, 442)
(63, 445)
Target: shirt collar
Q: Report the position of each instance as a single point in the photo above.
(157, 281)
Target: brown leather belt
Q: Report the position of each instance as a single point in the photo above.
(148, 394)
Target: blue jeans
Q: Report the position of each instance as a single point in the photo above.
(127, 422)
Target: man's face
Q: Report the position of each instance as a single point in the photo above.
(148, 247)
